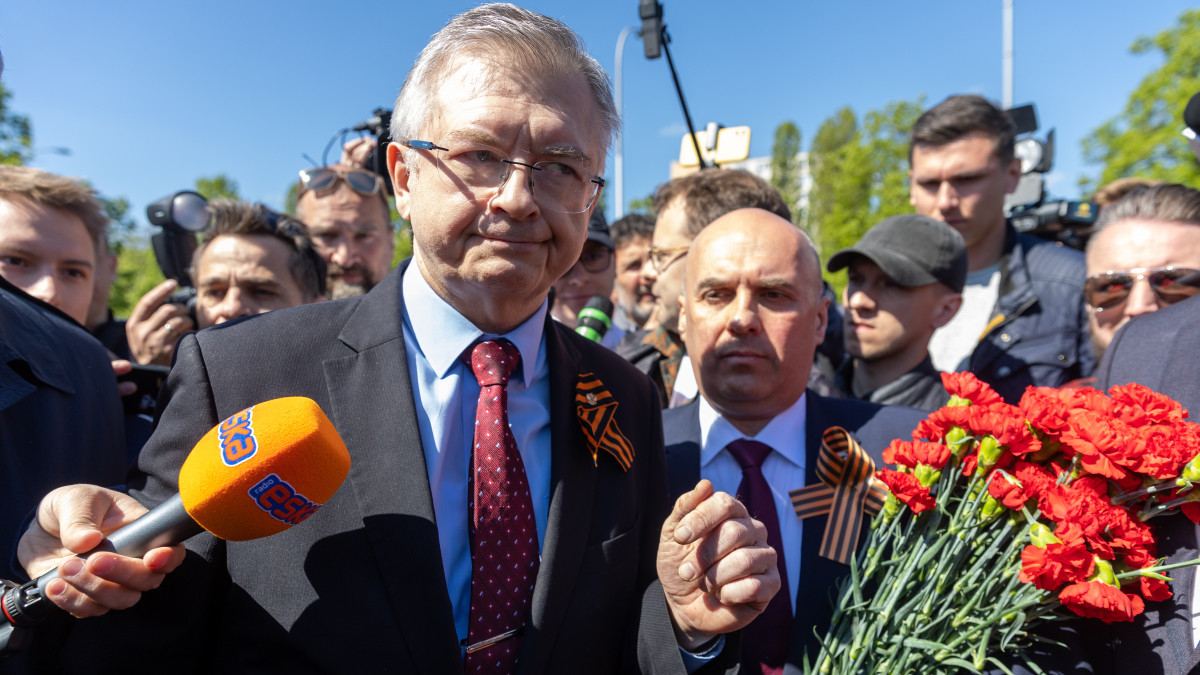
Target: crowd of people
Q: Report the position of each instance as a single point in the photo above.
(592, 532)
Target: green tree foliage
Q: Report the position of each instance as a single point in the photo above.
(860, 175)
(220, 185)
(1144, 140)
(16, 134)
(137, 269)
(785, 164)
(643, 205)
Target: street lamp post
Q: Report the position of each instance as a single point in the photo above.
(619, 157)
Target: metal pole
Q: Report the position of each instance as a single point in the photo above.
(619, 164)
(1008, 54)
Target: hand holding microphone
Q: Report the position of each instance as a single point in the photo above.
(257, 473)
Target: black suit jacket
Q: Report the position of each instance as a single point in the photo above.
(1161, 351)
(359, 586)
(872, 425)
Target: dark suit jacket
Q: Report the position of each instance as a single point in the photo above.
(359, 586)
(1161, 351)
(60, 423)
(874, 427)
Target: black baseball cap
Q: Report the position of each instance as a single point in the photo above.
(598, 229)
(912, 250)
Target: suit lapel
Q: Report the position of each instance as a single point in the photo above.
(818, 576)
(572, 490)
(681, 428)
(389, 477)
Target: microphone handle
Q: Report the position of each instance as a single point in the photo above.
(165, 525)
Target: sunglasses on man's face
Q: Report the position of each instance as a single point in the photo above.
(324, 178)
(1108, 290)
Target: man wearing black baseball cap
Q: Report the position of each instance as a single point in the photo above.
(593, 274)
(905, 280)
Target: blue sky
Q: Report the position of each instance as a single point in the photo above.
(148, 96)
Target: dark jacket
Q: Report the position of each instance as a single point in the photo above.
(359, 587)
(919, 388)
(1038, 333)
(873, 426)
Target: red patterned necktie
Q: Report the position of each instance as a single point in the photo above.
(766, 640)
(504, 546)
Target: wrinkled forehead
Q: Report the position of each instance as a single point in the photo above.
(473, 87)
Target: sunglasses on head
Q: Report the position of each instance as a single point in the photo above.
(1107, 290)
(324, 178)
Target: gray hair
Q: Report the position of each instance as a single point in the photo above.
(1165, 202)
(530, 41)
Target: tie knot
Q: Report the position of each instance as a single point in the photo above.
(749, 454)
(494, 361)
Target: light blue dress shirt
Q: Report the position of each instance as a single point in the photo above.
(783, 469)
(445, 390)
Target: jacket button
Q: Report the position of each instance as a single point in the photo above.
(1004, 371)
(1062, 357)
(1005, 337)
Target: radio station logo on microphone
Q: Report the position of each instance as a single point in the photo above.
(236, 438)
(281, 500)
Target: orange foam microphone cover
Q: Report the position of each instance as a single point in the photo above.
(264, 469)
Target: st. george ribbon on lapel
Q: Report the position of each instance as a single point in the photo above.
(596, 407)
(847, 489)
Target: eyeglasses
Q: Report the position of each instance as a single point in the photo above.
(596, 258)
(1107, 290)
(561, 185)
(324, 178)
(662, 258)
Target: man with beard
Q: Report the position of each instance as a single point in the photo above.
(347, 214)
(631, 237)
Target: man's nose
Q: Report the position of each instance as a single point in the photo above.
(647, 275)
(1141, 299)
(234, 305)
(514, 195)
(860, 301)
(947, 197)
(743, 314)
(47, 289)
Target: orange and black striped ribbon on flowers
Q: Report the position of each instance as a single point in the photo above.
(847, 490)
(596, 409)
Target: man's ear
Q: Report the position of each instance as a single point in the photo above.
(681, 323)
(1013, 174)
(947, 307)
(822, 317)
(400, 174)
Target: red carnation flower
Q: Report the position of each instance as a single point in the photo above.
(1007, 491)
(1098, 600)
(907, 489)
(967, 386)
(1137, 404)
(1057, 564)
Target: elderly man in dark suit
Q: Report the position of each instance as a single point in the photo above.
(501, 130)
(1159, 350)
(752, 314)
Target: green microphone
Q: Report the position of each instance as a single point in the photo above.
(595, 318)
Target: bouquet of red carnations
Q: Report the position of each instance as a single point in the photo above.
(999, 517)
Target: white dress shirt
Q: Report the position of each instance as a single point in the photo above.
(783, 469)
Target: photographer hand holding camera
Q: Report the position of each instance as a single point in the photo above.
(155, 325)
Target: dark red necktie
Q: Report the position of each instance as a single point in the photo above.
(504, 546)
(765, 641)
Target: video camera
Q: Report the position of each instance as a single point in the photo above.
(1069, 222)
(182, 216)
(379, 126)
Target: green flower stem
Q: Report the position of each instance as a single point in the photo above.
(1157, 568)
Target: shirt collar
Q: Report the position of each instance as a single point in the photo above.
(444, 334)
(784, 433)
